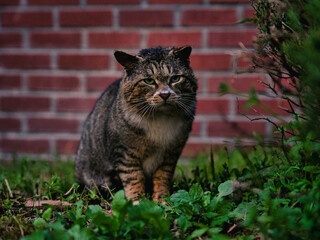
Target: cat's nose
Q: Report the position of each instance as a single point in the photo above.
(164, 95)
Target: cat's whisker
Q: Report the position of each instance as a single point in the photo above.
(188, 97)
(136, 105)
(150, 111)
(142, 99)
(143, 109)
(188, 114)
(147, 110)
(189, 104)
(185, 100)
(186, 109)
(185, 94)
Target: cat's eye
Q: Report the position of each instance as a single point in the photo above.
(175, 78)
(149, 81)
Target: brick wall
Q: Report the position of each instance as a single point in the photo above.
(56, 57)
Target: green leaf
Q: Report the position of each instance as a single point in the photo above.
(246, 20)
(47, 214)
(206, 198)
(120, 205)
(198, 233)
(253, 99)
(224, 88)
(92, 210)
(36, 235)
(149, 211)
(242, 210)
(57, 226)
(79, 233)
(39, 223)
(225, 189)
(100, 219)
(219, 220)
(183, 223)
(182, 196)
(196, 192)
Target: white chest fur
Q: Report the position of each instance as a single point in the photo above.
(163, 130)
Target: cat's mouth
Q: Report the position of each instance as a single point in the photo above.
(162, 104)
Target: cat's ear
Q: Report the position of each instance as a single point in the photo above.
(127, 60)
(183, 53)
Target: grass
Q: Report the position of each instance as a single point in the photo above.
(244, 194)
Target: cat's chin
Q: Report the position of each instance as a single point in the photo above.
(163, 107)
(167, 110)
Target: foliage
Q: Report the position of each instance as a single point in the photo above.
(288, 50)
(261, 195)
(249, 193)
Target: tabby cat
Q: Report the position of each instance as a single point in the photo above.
(136, 132)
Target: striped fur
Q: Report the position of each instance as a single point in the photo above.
(140, 124)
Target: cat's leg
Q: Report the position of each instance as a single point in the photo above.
(162, 180)
(133, 180)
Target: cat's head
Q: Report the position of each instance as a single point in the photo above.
(159, 80)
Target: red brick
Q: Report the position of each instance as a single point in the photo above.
(212, 106)
(114, 39)
(174, 1)
(214, 61)
(10, 81)
(53, 125)
(249, 13)
(146, 18)
(85, 18)
(196, 129)
(200, 84)
(230, 1)
(27, 19)
(235, 129)
(84, 61)
(286, 84)
(25, 61)
(269, 108)
(53, 82)
(9, 124)
(67, 146)
(24, 103)
(53, 2)
(231, 38)
(244, 63)
(99, 83)
(55, 39)
(195, 149)
(167, 38)
(75, 104)
(118, 65)
(113, 2)
(240, 83)
(9, 2)
(10, 39)
(14, 145)
(208, 17)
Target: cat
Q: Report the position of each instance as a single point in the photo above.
(137, 130)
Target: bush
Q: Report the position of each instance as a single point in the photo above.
(288, 49)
